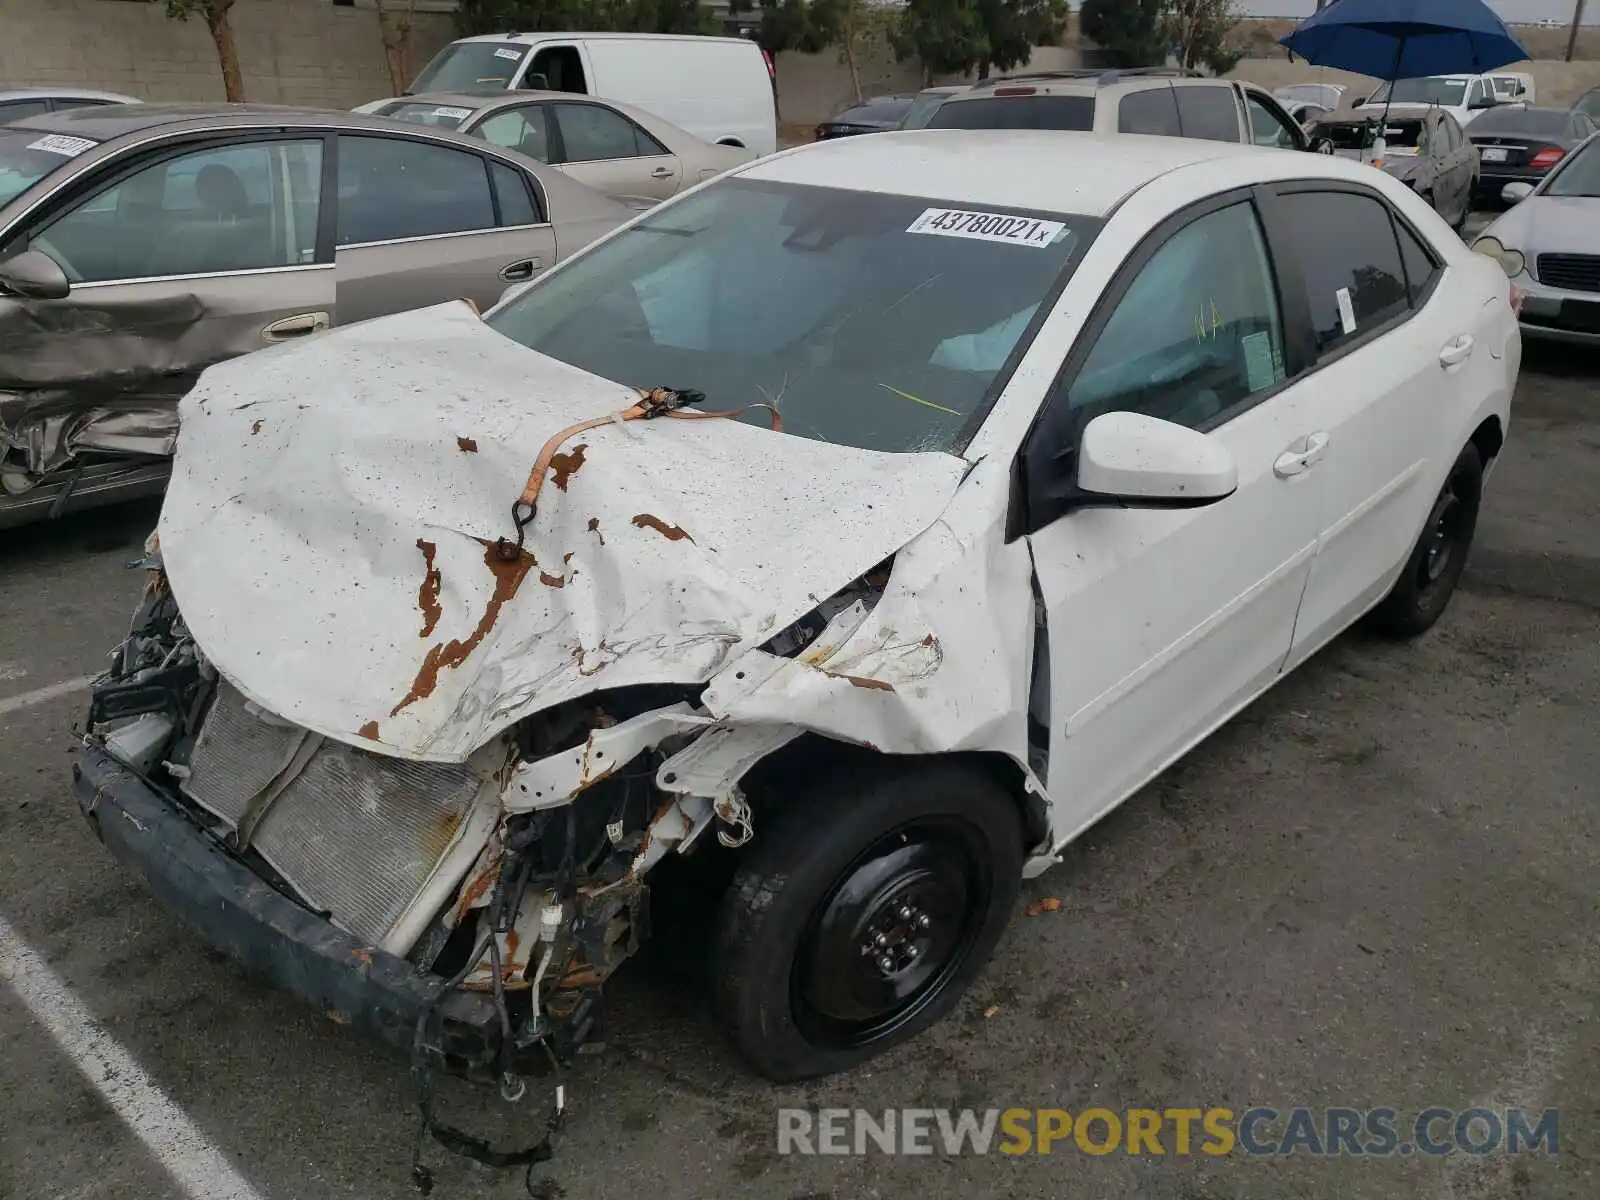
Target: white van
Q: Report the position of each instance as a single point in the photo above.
(720, 89)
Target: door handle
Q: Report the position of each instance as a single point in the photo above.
(1301, 455)
(298, 325)
(522, 269)
(661, 173)
(1456, 352)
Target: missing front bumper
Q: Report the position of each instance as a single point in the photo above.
(272, 936)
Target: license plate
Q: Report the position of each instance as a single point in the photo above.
(1493, 155)
(1582, 315)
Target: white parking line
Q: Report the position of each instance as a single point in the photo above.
(199, 1168)
(66, 687)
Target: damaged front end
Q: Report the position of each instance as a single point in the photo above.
(486, 902)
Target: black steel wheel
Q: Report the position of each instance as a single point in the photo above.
(1429, 578)
(862, 911)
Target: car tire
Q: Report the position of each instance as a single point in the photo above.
(866, 905)
(1434, 567)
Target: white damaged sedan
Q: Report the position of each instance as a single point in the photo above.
(992, 472)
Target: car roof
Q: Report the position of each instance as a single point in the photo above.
(1077, 80)
(1042, 170)
(64, 93)
(527, 39)
(115, 121)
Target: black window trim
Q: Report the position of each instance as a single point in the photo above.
(1020, 520)
(1292, 279)
(106, 173)
(541, 207)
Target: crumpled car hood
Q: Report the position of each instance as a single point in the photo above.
(330, 527)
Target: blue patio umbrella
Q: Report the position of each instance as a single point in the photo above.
(1405, 39)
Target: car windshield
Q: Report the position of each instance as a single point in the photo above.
(868, 320)
(1579, 175)
(1432, 89)
(440, 116)
(27, 157)
(1362, 135)
(1017, 112)
(470, 67)
(922, 109)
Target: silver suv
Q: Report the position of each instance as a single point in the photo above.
(1155, 100)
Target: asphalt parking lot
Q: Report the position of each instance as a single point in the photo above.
(1377, 887)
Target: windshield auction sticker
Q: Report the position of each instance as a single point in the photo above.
(987, 227)
(57, 143)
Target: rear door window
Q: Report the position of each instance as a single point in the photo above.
(1350, 262)
(592, 133)
(1208, 112)
(392, 188)
(1152, 111)
(525, 130)
(1017, 112)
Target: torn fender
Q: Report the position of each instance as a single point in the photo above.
(330, 536)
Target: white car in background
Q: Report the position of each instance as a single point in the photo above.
(1073, 465)
(1549, 245)
(1462, 96)
(721, 89)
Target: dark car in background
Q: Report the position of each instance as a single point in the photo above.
(878, 115)
(927, 102)
(1520, 144)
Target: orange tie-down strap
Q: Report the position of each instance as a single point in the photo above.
(653, 402)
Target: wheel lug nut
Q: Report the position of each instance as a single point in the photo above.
(911, 951)
(886, 963)
(924, 921)
(906, 912)
(880, 940)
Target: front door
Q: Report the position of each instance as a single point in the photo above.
(420, 223)
(605, 150)
(205, 254)
(1163, 622)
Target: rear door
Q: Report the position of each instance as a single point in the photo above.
(1368, 301)
(1269, 124)
(421, 222)
(602, 148)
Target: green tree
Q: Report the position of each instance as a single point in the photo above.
(1128, 30)
(215, 14)
(956, 36)
(1202, 31)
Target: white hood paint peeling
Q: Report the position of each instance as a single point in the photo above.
(330, 526)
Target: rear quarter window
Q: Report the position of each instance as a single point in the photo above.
(1017, 112)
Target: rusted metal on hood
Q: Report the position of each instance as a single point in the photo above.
(370, 731)
(331, 527)
(428, 593)
(255, 427)
(467, 445)
(508, 577)
(564, 466)
(672, 533)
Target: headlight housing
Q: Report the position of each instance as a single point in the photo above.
(1511, 261)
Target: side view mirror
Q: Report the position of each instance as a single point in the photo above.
(1142, 461)
(1322, 144)
(1358, 102)
(1482, 102)
(1516, 193)
(536, 81)
(34, 275)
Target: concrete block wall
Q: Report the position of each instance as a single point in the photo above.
(291, 51)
